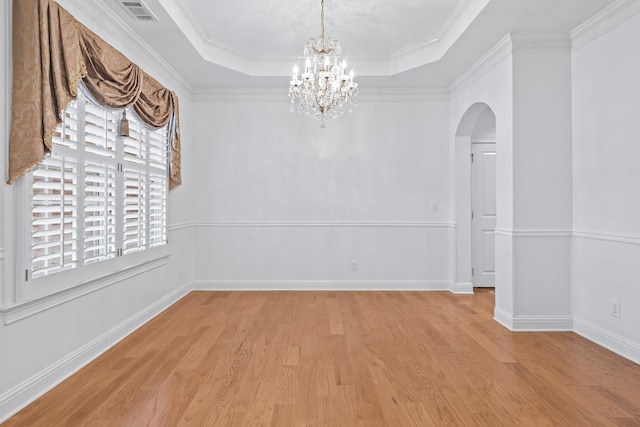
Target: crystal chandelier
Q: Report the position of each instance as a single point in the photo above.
(323, 90)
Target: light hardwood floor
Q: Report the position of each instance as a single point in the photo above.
(342, 359)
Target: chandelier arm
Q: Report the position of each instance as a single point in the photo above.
(318, 95)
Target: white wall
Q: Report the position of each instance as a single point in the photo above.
(606, 177)
(283, 203)
(525, 80)
(542, 206)
(45, 340)
(5, 87)
(489, 82)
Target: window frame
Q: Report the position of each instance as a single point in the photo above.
(29, 288)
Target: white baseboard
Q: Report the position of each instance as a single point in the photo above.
(542, 323)
(617, 344)
(320, 285)
(23, 394)
(533, 323)
(503, 318)
(464, 288)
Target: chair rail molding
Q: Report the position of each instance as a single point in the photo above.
(534, 232)
(303, 224)
(607, 237)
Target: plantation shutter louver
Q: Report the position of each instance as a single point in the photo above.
(100, 184)
(55, 202)
(135, 188)
(158, 159)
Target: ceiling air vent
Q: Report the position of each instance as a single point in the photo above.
(139, 10)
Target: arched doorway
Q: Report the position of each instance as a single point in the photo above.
(475, 198)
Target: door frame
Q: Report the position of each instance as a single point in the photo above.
(461, 195)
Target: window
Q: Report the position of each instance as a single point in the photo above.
(98, 196)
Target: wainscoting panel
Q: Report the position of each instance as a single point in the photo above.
(322, 255)
(27, 391)
(320, 285)
(45, 341)
(607, 271)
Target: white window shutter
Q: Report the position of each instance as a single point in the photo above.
(100, 167)
(158, 184)
(54, 217)
(99, 212)
(98, 195)
(134, 232)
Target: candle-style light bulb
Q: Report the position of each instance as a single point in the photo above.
(295, 72)
(307, 65)
(351, 77)
(344, 65)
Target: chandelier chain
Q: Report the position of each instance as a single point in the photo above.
(322, 18)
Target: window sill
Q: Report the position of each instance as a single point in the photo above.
(29, 308)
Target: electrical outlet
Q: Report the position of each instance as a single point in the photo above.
(354, 265)
(615, 308)
(434, 207)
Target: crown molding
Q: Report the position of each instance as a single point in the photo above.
(603, 22)
(221, 95)
(433, 50)
(464, 10)
(252, 64)
(226, 96)
(495, 55)
(104, 22)
(404, 95)
(523, 42)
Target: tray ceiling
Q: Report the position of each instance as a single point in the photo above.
(390, 43)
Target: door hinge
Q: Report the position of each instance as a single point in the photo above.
(26, 275)
(471, 157)
(471, 214)
(473, 272)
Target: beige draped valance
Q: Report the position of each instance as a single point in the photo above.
(51, 53)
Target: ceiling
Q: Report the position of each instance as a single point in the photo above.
(388, 43)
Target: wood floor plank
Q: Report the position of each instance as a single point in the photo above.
(351, 359)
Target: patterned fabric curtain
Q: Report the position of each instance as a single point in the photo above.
(52, 52)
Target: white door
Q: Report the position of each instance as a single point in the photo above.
(483, 206)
